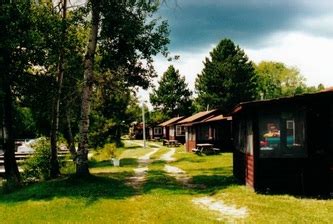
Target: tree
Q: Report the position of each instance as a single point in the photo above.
(172, 97)
(228, 78)
(14, 57)
(129, 36)
(275, 79)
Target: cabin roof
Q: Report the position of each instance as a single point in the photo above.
(218, 118)
(198, 116)
(171, 121)
(309, 97)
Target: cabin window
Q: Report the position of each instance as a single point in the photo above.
(249, 137)
(157, 131)
(180, 130)
(241, 136)
(282, 135)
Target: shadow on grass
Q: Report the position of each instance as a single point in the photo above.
(133, 147)
(190, 159)
(201, 184)
(113, 186)
(91, 188)
(159, 180)
(131, 162)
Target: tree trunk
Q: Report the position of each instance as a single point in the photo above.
(54, 171)
(11, 170)
(82, 153)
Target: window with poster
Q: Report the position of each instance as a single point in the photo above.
(282, 134)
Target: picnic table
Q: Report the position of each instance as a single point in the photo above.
(205, 148)
(171, 143)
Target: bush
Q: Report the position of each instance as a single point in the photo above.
(37, 167)
(105, 153)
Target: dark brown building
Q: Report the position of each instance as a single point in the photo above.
(285, 144)
(207, 127)
(172, 131)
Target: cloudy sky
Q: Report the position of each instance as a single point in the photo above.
(298, 33)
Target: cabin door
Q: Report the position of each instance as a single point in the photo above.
(319, 140)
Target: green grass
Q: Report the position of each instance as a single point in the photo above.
(105, 198)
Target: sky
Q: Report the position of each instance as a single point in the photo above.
(296, 32)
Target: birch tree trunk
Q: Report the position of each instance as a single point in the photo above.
(82, 153)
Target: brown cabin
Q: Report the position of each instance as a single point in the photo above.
(285, 145)
(207, 127)
(155, 132)
(172, 131)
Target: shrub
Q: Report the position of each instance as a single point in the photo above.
(37, 167)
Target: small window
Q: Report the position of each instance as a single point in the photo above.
(180, 130)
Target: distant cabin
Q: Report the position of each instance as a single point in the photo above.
(286, 144)
(155, 132)
(207, 127)
(172, 131)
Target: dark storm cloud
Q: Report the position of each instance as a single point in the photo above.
(197, 23)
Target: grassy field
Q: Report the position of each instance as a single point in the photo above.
(106, 198)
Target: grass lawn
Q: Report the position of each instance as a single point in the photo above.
(106, 198)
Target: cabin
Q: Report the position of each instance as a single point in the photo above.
(217, 131)
(207, 127)
(136, 131)
(155, 132)
(285, 145)
(172, 131)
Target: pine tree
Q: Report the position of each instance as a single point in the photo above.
(172, 97)
(227, 79)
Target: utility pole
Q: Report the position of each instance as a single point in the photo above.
(143, 125)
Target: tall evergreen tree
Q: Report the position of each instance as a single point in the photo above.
(172, 97)
(227, 78)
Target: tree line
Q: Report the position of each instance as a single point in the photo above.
(228, 78)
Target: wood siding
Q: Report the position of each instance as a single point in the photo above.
(249, 170)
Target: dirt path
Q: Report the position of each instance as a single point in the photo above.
(180, 175)
(140, 173)
(225, 212)
(168, 156)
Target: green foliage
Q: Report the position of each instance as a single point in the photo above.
(38, 165)
(156, 117)
(110, 115)
(172, 97)
(130, 35)
(24, 123)
(107, 152)
(227, 79)
(275, 80)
